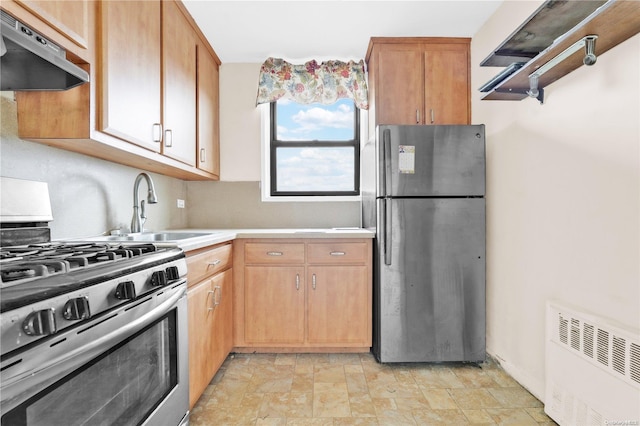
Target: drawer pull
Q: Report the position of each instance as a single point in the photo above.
(337, 253)
(215, 262)
(274, 253)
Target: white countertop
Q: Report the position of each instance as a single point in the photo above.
(217, 236)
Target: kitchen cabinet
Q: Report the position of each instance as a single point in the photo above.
(208, 111)
(296, 295)
(142, 105)
(419, 80)
(67, 23)
(210, 304)
(274, 304)
(130, 102)
(179, 85)
(153, 104)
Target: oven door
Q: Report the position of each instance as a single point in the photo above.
(126, 367)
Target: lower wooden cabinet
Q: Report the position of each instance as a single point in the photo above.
(274, 304)
(210, 307)
(296, 295)
(339, 305)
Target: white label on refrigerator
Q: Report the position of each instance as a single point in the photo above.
(407, 159)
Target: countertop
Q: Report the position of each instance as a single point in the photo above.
(217, 236)
(211, 237)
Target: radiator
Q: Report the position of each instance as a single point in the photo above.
(592, 370)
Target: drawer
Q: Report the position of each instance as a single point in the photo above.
(203, 264)
(274, 253)
(338, 253)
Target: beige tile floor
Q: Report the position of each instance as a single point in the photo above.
(353, 389)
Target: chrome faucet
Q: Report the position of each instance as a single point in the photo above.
(139, 214)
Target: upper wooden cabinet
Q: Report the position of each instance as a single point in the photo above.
(152, 102)
(130, 91)
(71, 19)
(419, 81)
(208, 111)
(179, 85)
(159, 56)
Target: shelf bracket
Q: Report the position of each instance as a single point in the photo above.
(588, 42)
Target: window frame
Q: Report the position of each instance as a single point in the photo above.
(275, 143)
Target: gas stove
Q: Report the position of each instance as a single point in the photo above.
(22, 264)
(50, 286)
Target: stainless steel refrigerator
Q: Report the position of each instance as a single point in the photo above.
(423, 194)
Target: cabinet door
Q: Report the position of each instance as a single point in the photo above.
(447, 85)
(399, 85)
(222, 333)
(200, 308)
(208, 113)
(129, 87)
(179, 66)
(339, 306)
(68, 17)
(274, 304)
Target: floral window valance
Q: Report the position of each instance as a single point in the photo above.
(311, 82)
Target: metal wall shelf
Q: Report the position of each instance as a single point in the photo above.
(612, 23)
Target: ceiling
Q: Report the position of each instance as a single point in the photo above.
(251, 31)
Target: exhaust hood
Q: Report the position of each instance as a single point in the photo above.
(29, 61)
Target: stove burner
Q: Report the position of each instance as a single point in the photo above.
(25, 263)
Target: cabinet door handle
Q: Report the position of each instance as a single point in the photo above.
(433, 116)
(274, 253)
(297, 281)
(216, 300)
(417, 116)
(216, 262)
(313, 281)
(157, 132)
(337, 253)
(203, 154)
(168, 138)
(213, 297)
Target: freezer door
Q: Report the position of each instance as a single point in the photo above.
(427, 161)
(429, 292)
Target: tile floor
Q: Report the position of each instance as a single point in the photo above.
(353, 389)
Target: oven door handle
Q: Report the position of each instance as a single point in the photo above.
(39, 373)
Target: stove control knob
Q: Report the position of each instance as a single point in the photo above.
(159, 279)
(172, 273)
(126, 290)
(77, 309)
(40, 323)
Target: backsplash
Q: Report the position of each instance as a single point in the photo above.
(89, 196)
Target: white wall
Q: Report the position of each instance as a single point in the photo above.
(88, 196)
(235, 201)
(563, 197)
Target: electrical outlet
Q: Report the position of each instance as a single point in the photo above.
(180, 204)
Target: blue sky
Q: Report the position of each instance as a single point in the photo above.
(321, 168)
(315, 121)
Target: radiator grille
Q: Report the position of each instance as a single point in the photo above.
(605, 351)
(615, 352)
(634, 364)
(588, 340)
(603, 347)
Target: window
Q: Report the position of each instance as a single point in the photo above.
(314, 149)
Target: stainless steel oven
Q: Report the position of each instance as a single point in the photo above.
(93, 334)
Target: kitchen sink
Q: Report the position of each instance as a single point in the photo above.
(155, 236)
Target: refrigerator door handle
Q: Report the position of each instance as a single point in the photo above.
(386, 161)
(386, 223)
